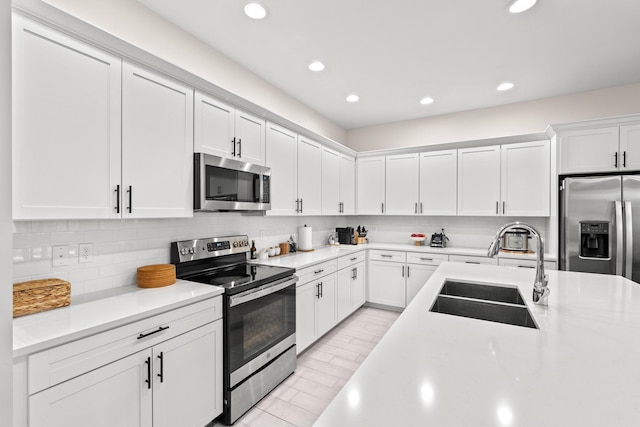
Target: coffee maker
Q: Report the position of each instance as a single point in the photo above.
(346, 236)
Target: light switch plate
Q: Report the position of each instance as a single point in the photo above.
(60, 255)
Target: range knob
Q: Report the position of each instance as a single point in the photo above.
(192, 250)
(235, 244)
(183, 251)
(245, 243)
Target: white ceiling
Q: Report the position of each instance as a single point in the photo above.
(392, 53)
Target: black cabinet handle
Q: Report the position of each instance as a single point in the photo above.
(503, 208)
(233, 144)
(148, 380)
(130, 191)
(161, 374)
(403, 271)
(117, 191)
(318, 271)
(420, 207)
(321, 289)
(301, 206)
(239, 147)
(624, 159)
(615, 160)
(497, 204)
(408, 271)
(354, 273)
(382, 208)
(160, 329)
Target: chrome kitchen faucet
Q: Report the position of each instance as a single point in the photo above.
(540, 289)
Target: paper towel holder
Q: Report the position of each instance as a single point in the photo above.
(300, 239)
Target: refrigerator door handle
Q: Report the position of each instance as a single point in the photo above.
(628, 228)
(619, 234)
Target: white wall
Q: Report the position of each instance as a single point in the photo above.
(515, 119)
(121, 246)
(137, 25)
(6, 296)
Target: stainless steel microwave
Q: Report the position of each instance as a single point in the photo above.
(222, 184)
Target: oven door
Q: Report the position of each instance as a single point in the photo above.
(222, 184)
(260, 324)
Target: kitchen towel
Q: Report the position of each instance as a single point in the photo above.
(304, 238)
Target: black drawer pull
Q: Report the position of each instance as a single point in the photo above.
(160, 329)
(318, 271)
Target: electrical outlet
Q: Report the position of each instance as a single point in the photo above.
(60, 255)
(85, 252)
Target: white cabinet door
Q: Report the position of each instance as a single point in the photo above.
(66, 126)
(630, 147)
(417, 276)
(348, 184)
(309, 176)
(282, 158)
(249, 138)
(118, 394)
(157, 145)
(525, 179)
(330, 182)
(370, 186)
(326, 313)
(305, 315)
(358, 286)
(438, 182)
(479, 181)
(187, 389)
(213, 126)
(402, 175)
(387, 283)
(343, 299)
(592, 150)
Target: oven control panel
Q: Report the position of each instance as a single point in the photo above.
(190, 250)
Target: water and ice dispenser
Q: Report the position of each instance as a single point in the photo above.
(594, 239)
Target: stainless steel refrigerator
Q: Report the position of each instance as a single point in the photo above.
(600, 225)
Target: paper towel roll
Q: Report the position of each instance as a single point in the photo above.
(304, 238)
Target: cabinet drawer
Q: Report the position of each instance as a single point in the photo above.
(349, 260)
(468, 259)
(378, 255)
(316, 271)
(524, 263)
(426, 258)
(67, 361)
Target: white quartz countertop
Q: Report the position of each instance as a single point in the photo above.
(305, 259)
(580, 368)
(36, 332)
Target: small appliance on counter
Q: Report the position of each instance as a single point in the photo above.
(516, 240)
(346, 235)
(439, 240)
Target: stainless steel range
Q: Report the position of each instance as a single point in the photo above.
(259, 316)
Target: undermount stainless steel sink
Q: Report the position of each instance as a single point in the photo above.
(489, 302)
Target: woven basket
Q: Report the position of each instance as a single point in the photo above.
(40, 295)
(157, 275)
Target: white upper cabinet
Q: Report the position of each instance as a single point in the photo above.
(479, 181)
(282, 158)
(402, 179)
(347, 185)
(222, 130)
(592, 150)
(630, 147)
(438, 182)
(66, 126)
(330, 182)
(370, 185)
(157, 145)
(309, 177)
(525, 179)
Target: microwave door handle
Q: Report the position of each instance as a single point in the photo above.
(619, 234)
(628, 232)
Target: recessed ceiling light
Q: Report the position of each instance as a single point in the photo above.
(505, 86)
(519, 6)
(255, 10)
(316, 66)
(353, 98)
(426, 100)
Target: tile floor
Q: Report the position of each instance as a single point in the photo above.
(323, 369)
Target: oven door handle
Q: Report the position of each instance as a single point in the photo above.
(262, 291)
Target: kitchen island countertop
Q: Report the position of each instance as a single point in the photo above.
(580, 368)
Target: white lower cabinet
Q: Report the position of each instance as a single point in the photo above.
(316, 295)
(161, 371)
(387, 278)
(420, 267)
(351, 284)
